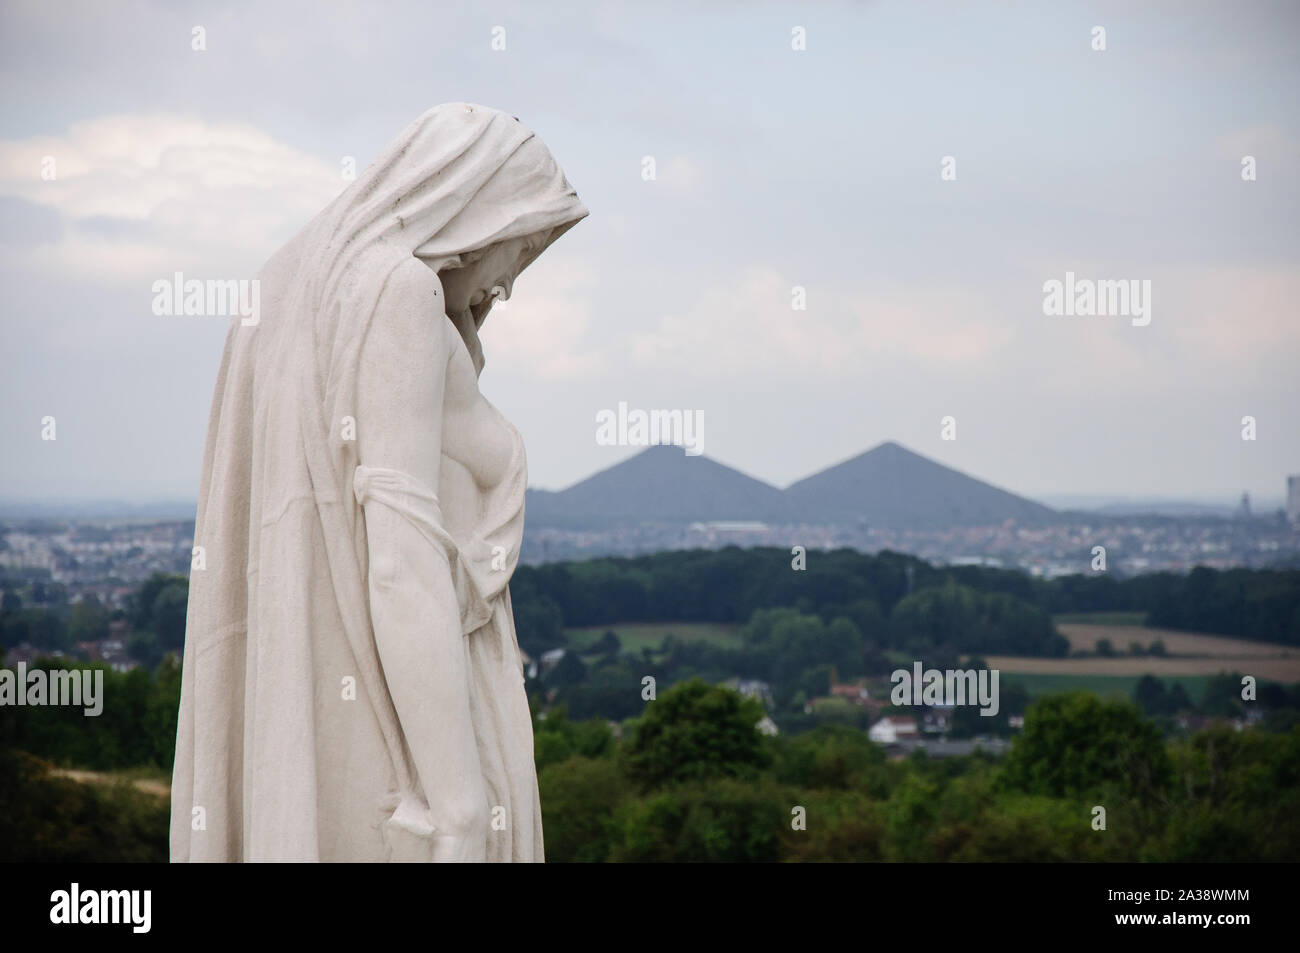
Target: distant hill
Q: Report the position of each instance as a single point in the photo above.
(658, 485)
(891, 486)
(886, 486)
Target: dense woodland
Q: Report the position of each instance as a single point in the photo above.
(896, 601)
(687, 782)
(728, 585)
(691, 780)
(687, 777)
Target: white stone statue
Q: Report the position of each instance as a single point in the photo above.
(352, 687)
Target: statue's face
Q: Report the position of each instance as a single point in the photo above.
(473, 287)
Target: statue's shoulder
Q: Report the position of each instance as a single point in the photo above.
(412, 279)
(409, 316)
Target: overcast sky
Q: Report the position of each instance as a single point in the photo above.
(775, 168)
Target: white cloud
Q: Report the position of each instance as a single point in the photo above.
(749, 326)
(541, 331)
(681, 174)
(142, 195)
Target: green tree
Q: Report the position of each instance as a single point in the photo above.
(579, 799)
(831, 757)
(570, 670)
(1075, 744)
(156, 612)
(608, 643)
(1223, 696)
(724, 821)
(1150, 695)
(539, 624)
(968, 620)
(168, 614)
(695, 731)
(140, 607)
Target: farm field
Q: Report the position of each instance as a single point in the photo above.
(1189, 654)
(1268, 669)
(1106, 686)
(1084, 636)
(148, 785)
(635, 636)
(1101, 618)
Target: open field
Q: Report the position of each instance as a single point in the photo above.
(145, 784)
(635, 636)
(1276, 669)
(1101, 618)
(1106, 686)
(1191, 656)
(1085, 636)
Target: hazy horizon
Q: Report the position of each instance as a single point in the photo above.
(821, 169)
(1060, 502)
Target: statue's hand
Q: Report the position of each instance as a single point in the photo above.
(413, 838)
(458, 849)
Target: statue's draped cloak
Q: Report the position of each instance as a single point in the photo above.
(289, 747)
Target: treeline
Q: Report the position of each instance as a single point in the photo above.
(1161, 700)
(992, 611)
(687, 777)
(1261, 604)
(893, 602)
(53, 628)
(690, 780)
(729, 585)
(795, 655)
(136, 727)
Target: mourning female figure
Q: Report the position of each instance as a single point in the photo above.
(352, 686)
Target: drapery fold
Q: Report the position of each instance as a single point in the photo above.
(287, 737)
(480, 566)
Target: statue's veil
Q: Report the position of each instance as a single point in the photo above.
(459, 179)
(283, 540)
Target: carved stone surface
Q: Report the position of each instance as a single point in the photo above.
(352, 683)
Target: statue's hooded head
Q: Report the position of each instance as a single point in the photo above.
(468, 190)
(473, 194)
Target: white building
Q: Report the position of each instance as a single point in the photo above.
(891, 729)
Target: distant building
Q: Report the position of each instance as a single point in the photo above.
(1293, 500)
(854, 692)
(729, 526)
(751, 688)
(892, 729)
(767, 726)
(550, 659)
(937, 719)
(113, 651)
(21, 653)
(991, 562)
